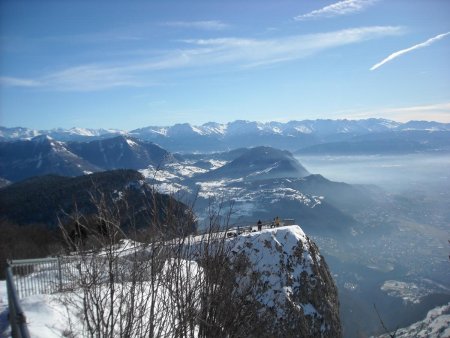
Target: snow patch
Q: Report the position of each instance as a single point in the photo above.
(409, 292)
(215, 164)
(131, 143)
(303, 129)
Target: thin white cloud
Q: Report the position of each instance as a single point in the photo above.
(203, 54)
(336, 9)
(431, 112)
(205, 25)
(256, 52)
(410, 49)
(91, 77)
(18, 82)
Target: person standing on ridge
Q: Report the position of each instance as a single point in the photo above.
(259, 225)
(277, 221)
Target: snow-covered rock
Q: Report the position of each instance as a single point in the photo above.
(435, 325)
(294, 285)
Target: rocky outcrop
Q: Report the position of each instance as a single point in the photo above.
(435, 325)
(293, 285)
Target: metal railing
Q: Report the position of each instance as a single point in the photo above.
(52, 274)
(26, 277)
(265, 224)
(41, 275)
(16, 315)
(36, 276)
(56, 274)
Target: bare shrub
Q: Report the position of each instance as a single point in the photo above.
(171, 285)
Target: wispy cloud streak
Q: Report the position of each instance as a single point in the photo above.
(18, 82)
(410, 49)
(205, 25)
(204, 55)
(258, 52)
(431, 112)
(339, 8)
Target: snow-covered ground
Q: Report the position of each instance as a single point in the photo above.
(60, 314)
(4, 324)
(280, 255)
(46, 316)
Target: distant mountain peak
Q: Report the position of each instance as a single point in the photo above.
(259, 163)
(40, 156)
(48, 141)
(42, 139)
(184, 129)
(120, 152)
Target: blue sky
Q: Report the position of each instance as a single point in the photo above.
(118, 64)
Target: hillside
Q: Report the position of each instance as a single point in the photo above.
(48, 199)
(120, 152)
(263, 182)
(41, 155)
(258, 163)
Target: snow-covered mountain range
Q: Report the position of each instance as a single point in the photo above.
(293, 135)
(60, 134)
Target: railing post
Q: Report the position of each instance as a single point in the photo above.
(16, 316)
(60, 273)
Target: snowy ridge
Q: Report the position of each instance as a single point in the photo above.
(235, 128)
(435, 325)
(213, 137)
